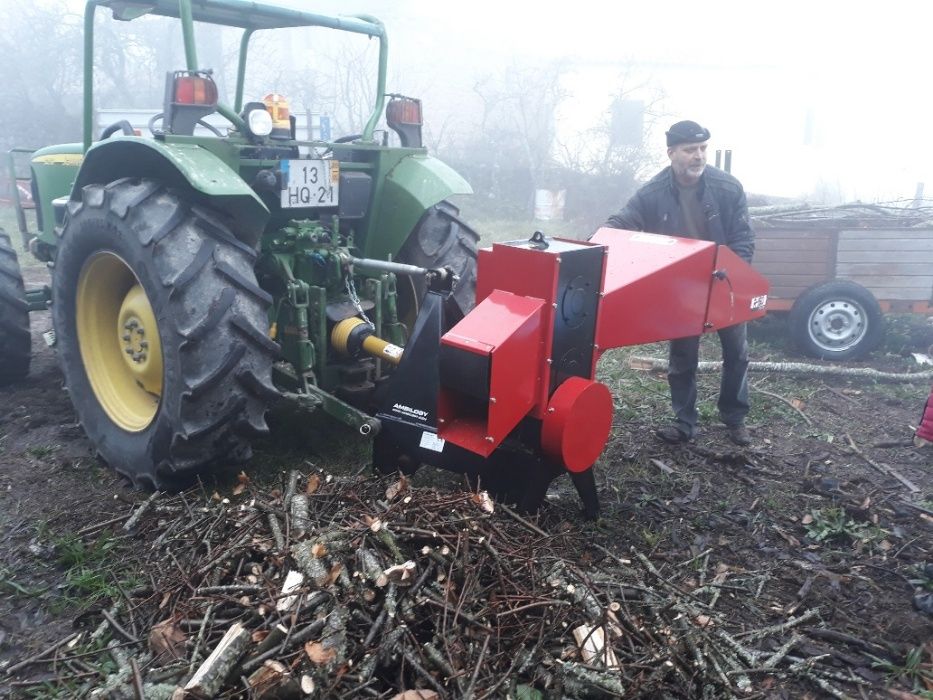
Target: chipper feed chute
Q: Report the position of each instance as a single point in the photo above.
(507, 394)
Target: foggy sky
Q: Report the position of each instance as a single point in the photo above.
(810, 96)
(803, 92)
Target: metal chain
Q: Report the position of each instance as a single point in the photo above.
(355, 299)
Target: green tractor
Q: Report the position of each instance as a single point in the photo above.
(199, 278)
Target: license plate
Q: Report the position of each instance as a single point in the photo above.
(310, 183)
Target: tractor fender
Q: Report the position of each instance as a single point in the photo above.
(414, 185)
(203, 176)
(53, 171)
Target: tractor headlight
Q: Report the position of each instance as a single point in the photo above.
(259, 121)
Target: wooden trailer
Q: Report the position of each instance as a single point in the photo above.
(837, 283)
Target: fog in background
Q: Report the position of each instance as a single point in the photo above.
(813, 98)
(823, 101)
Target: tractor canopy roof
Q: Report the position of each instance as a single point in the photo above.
(239, 13)
(245, 14)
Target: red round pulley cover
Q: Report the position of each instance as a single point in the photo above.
(577, 424)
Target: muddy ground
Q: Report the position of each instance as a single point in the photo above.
(830, 509)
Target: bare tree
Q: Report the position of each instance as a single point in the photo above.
(41, 86)
(518, 115)
(601, 152)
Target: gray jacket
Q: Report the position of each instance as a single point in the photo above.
(655, 208)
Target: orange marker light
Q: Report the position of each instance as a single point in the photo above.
(278, 108)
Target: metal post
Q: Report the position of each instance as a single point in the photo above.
(728, 163)
(187, 28)
(718, 158)
(381, 79)
(89, 73)
(241, 70)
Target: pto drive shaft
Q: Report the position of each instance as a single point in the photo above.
(354, 337)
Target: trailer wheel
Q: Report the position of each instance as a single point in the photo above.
(162, 333)
(441, 239)
(15, 341)
(836, 320)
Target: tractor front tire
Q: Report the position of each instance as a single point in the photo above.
(15, 341)
(161, 331)
(441, 239)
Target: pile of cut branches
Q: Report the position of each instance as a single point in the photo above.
(366, 587)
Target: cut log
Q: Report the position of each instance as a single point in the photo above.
(317, 570)
(273, 681)
(301, 522)
(209, 677)
(593, 647)
(403, 574)
(293, 581)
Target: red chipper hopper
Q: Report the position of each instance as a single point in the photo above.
(508, 393)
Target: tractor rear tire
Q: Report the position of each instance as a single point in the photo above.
(15, 341)
(441, 239)
(837, 320)
(161, 331)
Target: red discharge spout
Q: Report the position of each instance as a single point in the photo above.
(661, 288)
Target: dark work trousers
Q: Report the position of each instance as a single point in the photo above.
(733, 389)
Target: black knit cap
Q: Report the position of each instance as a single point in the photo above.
(686, 132)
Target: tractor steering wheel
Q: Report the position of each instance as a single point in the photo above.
(159, 132)
(121, 125)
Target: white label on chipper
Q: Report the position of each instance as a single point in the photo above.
(758, 303)
(430, 441)
(654, 238)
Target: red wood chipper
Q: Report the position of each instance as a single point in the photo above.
(507, 394)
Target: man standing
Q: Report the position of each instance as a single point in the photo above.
(693, 200)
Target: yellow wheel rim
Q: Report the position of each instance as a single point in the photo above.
(119, 340)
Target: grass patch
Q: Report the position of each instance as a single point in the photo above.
(41, 451)
(834, 524)
(93, 570)
(913, 671)
(906, 333)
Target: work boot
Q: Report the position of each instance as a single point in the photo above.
(739, 435)
(672, 435)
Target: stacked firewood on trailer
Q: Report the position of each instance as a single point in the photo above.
(911, 214)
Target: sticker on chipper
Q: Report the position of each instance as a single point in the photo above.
(393, 351)
(758, 303)
(652, 238)
(409, 412)
(430, 441)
